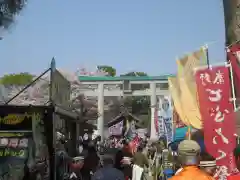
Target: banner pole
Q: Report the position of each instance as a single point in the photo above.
(210, 66)
(232, 84)
(207, 55)
(189, 132)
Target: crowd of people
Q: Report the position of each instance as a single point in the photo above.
(150, 160)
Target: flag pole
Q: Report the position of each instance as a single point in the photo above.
(232, 84)
(207, 55)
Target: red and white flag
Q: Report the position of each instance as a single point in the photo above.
(217, 111)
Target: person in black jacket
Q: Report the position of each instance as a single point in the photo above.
(91, 163)
(118, 158)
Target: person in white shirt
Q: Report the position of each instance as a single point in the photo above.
(108, 172)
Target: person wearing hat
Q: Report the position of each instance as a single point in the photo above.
(208, 164)
(189, 156)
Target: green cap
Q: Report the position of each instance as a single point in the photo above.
(189, 148)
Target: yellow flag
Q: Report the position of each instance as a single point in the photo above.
(176, 94)
(189, 98)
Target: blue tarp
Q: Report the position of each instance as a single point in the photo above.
(180, 133)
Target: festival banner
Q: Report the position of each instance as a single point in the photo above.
(166, 118)
(233, 54)
(214, 95)
(159, 119)
(187, 84)
(156, 121)
(175, 92)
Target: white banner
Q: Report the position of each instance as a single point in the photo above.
(116, 129)
(166, 118)
(161, 129)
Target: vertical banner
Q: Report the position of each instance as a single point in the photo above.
(217, 111)
(166, 118)
(156, 121)
(160, 125)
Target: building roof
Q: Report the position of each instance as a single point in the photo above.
(122, 78)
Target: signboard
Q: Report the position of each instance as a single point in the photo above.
(16, 121)
(60, 92)
(217, 113)
(25, 135)
(61, 88)
(14, 146)
(14, 153)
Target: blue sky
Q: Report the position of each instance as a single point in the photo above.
(130, 35)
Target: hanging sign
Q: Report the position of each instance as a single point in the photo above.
(165, 117)
(216, 108)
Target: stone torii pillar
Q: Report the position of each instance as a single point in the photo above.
(100, 121)
(153, 98)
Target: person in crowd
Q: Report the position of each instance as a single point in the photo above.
(140, 161)
(108, 172)
(126, 150)
(126, 161)
(118, 158)
(91, 162)
(208, 164)
(189, 154)
(237, 156)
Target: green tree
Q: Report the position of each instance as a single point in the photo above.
(17, 79)
(108, 69)
(8, 10)
(133, 73)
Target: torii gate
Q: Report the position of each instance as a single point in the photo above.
(101, 87)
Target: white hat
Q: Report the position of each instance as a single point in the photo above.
(207, 163)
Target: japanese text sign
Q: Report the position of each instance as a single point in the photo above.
(216, 108)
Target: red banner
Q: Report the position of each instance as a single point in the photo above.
(216, 108)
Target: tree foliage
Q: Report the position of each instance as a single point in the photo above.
(16, 79)
(8, 10)
(133, 73)
(108, 69)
